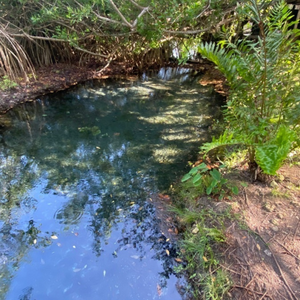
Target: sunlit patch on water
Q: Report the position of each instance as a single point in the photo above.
(77, 171)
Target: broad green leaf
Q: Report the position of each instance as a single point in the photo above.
(216, 174)
(186, 177)
(209, 190)
(197, 178)
(202, 166)
(214, 183)
(235, 190)
(193, 171)
(198, 183)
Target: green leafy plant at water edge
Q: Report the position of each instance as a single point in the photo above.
(6, 83)
(263, 108)
(212, 180)
(198, 244)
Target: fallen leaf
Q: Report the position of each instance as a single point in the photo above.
(164, 197)
(168, 252)
(76, 270)
(158, 290)
(258, 247)
(135, 256)
(178, 260)
(197, 163)
(195, 230)
(204, 258)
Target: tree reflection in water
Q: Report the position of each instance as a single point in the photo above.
(76, 171)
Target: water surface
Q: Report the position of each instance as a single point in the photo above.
(78, 171)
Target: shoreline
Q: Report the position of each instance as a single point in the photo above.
(60, 77)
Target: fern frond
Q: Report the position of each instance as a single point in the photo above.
(271, 156)
(225, 140)
(221, 58)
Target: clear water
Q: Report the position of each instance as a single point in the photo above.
(78, 170)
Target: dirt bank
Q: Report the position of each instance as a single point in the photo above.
(62, 76)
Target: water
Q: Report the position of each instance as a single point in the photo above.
(78, 172)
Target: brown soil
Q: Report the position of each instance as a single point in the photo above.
(55, 78)
(214, 77)
(262, 250)
(263, 256)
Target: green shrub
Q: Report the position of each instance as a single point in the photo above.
(212, 180)
(263, 108)
(6, 83)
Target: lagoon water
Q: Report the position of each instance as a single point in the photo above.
(79, 170)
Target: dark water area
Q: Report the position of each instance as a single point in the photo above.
(78, 172)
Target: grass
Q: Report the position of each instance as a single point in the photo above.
(203, 237)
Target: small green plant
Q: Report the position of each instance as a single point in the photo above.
(212, 179)
(217, 285)
(6, 83)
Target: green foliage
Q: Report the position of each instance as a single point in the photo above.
(6, 83)
(217, 285)
(271, 155)
(202, 235)
(263, 108)
(213, 181)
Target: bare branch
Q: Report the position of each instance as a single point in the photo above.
(203, 11)
(137, 5)
(120, 14)
(199, 30)
(146, 9)
(101, 17)
(31, 37)
(89, 52)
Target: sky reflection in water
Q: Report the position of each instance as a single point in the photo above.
(78, 169)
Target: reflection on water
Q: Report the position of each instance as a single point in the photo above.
(78, 169)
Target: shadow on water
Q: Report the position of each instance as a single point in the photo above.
(77, 171)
